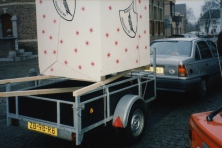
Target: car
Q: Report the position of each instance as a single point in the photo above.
(183, 36)
(185, 64)
(207, 36)
(205, 129)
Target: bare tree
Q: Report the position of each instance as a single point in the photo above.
(190, 15)
(208, 11)
(190, 27)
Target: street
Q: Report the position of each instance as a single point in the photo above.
(167, 126)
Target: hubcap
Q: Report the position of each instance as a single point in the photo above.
(137, 123)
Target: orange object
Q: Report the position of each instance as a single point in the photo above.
(118, 122)
(182, 72)
(205, 134)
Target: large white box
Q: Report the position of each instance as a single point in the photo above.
(88, 39)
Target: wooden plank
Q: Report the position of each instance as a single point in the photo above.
(76, 90)
(25, 79)
(98, 84)
(38, 92)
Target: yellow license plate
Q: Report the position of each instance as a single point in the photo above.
(159, 70)
(42, 128)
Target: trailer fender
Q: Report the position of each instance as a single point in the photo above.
(122, 111)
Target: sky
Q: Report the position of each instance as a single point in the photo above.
(194, 4)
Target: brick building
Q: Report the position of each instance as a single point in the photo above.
(20, 17)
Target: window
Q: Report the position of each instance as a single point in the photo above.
(204, 50)
(6, 23)
(214, 22)
(155, 13)
(156, 27)
(173, 48)
(213, 48)
(150, 9)
(197, 55)
(151, 31)
(172, 10)
(152, 27)
(161, 14)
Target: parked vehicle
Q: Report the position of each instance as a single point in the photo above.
(183, 36)
(205, 129)
(185, 64)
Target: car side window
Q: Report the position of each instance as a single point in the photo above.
(197, 55)
(204, 50)
(213, 48)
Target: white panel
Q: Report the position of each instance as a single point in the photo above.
(47, 23)
(87, 39)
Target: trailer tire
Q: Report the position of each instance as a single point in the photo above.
(136, 122)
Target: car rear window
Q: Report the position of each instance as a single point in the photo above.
(173, 48)
(204, 50)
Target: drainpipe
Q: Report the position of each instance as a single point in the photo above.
(14, 20)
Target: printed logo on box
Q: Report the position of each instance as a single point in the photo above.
(65, 9)
(129, 20)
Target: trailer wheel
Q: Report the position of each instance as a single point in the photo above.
(136, 122)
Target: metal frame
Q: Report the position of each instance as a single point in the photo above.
(65, 131)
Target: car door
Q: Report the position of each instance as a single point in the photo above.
(217, 59)
(208, 61)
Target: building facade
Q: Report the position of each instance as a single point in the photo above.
(20, 17)
(156, 14)
(169, 12)
(180, 12)
(210, 22)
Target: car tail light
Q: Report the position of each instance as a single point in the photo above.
(182, 71)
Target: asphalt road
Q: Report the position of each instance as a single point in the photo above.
(167, 126)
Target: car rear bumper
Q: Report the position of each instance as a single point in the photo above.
(177, 85)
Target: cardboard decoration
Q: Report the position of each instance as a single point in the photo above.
(89, 39)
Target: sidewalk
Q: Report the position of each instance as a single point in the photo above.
(14, 69)
(17, 69)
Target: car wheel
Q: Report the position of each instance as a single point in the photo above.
(136, 123)
(202, 90)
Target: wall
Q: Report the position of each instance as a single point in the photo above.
(25, 11)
